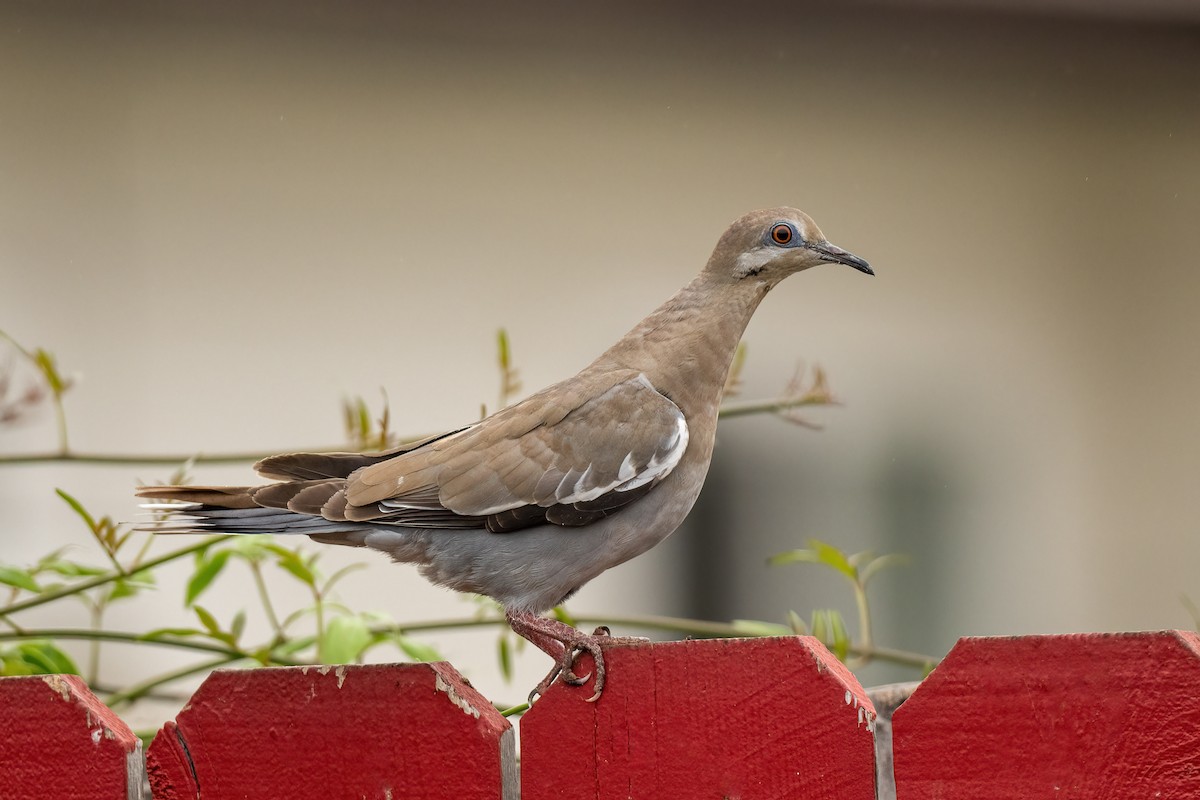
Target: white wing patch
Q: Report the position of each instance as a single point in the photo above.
(665, 457)
(626, 471)
(663, 460)
(653, 445)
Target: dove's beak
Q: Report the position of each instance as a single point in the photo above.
(830, 252)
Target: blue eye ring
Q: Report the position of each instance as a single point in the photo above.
(783, 234)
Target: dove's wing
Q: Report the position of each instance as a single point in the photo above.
(565, 457)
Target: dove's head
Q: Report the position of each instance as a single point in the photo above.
(770, 244)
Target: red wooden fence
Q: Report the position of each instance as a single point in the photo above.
(1077, 716)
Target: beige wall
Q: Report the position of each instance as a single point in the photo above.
(228, 220)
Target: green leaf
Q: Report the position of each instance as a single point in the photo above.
(802, 555)
(291, 561)
(797, 624)
(251, 548)
(291, 647)
(208, 568)
(54, 658)
(385, 421)
(44, 658)
(754, 627)
(829, 626)
(877, 565)
(263, 656)
(78, 507)
(296, 616)
(12, 665)
(832, 557)
(417, 651)
(208, 620)
(144, 577)
(238, 626)
(122, 588)
(504, 656)
(19, 578)
(344, 640)
(341, 573)
(503, 352)
(562, 615)
(840, 637)
(364, 420)
(856, 560)
(45, 363)
(820, 624)
(131, 585)
(71, 569)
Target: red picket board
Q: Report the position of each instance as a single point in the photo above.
(380, 731)
(58, 740)
(745, 718)
(1083, 715)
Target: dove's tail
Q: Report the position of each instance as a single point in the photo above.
(224, 509)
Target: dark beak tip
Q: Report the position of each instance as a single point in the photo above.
(838, 255)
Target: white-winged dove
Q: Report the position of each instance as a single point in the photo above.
(534, 501)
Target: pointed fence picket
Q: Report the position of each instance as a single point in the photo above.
(1073, 716)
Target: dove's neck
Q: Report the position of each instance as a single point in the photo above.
(685, 346)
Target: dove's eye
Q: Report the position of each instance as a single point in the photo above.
(783, 234)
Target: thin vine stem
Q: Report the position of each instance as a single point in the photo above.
(683, 625)
(139, 690)
(268, 607)
(770, 406)
(134, 459)
(88, 634)
(728, 410)
(100, 580)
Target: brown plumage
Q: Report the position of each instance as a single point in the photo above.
(532, 502)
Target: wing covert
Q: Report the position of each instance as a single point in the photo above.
(568, 455)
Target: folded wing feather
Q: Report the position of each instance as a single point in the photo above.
(566, 456)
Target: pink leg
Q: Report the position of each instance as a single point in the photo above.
(561, 642)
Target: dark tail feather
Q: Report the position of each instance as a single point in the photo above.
(224, 509)
(217, 496)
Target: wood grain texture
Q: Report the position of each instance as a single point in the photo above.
(1102, 715)
(57, 740)
(730, 718)
(380, 732)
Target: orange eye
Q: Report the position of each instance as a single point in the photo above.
(782, 234)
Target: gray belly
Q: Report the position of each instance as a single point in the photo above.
(537, 568)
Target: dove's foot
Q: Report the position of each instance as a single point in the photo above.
(563, 643)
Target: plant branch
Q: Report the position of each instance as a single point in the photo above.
(139, 690)
(265, 597)
(683, 625)
(133, 459)
(771, 406)
(100, 580)
(231, 653)
(728, 410)
(864, 615)
(121, 636)
(93, 668)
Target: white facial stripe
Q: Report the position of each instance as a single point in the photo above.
(753, 261)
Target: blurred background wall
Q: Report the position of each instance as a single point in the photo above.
(225, 217)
